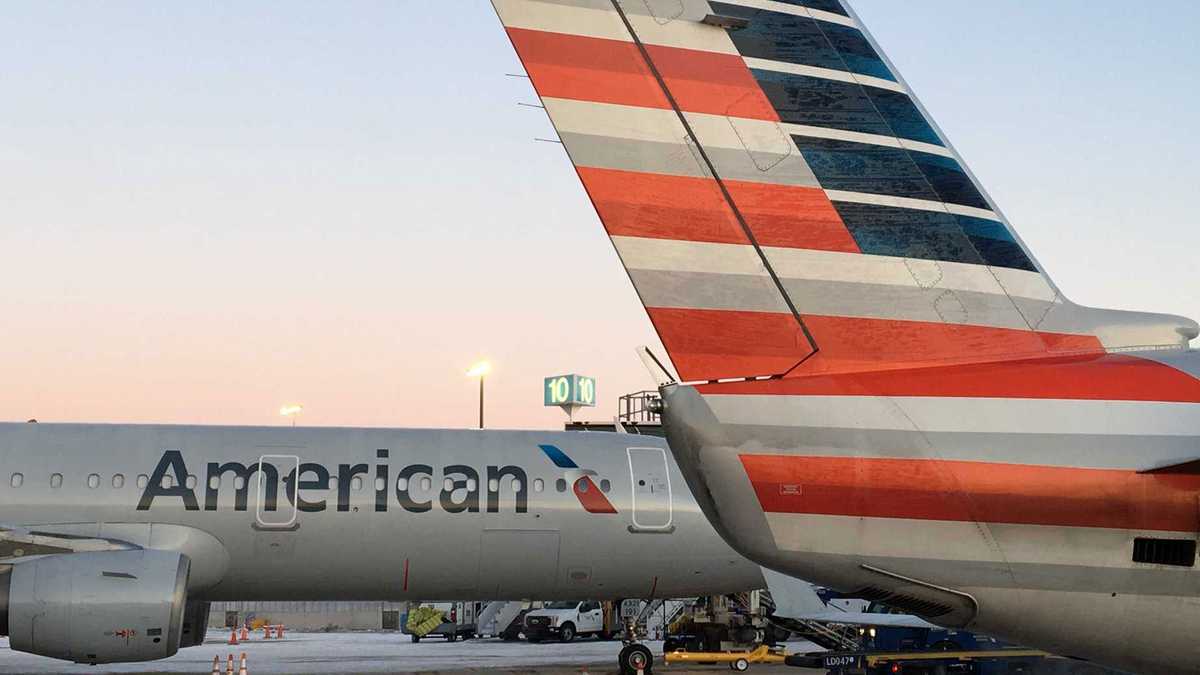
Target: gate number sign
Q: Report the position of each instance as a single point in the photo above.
(576, 390)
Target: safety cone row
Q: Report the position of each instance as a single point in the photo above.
(245, 633)
(216, 669)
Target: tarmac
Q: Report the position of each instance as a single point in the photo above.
(328, 653)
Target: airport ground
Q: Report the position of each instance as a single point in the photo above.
(344, 653)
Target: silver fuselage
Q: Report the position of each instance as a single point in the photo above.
(1015, 517)
(520, 531)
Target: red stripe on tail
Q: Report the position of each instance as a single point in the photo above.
(709, 344)
(614, 71)
(636, 204)
(1097, 377)
(715, 344)
(928, 489)
(587, 69)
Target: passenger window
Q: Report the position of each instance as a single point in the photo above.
(239, 483)
(448, 485)
(56, 480)
(93, 480)
(516, 485)
(166, 481)
(190, 481)
(380, 484)
(402, 483)
(471, 484)
(560, 485)
(605, 485)
(143, 480)
(118, 480)
(427, 483)
(356, 483)
(538, 485)
(214, 482)
(493, 485)
(17, 480)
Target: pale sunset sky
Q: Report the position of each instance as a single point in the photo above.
(211, 209)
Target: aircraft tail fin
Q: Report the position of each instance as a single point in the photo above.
(782, 202)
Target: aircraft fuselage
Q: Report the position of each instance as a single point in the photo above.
(1015, 499)
(378, 513)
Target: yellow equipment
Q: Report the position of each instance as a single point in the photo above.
(421, 620)
(738, 661)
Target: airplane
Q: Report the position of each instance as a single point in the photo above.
(116, 537)
(880, 389)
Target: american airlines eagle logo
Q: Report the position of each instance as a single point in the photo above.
(580, 480)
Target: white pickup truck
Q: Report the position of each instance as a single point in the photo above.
(565, 620)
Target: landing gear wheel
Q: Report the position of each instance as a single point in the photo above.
(567, 632)
(741, 665)
(636, 657)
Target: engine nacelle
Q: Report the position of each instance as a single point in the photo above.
(195, 623)
(96, 607)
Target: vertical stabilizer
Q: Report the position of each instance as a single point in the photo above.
(782, 202)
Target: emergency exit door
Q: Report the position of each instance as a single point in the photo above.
(651, 481)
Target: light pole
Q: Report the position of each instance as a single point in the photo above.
(480, 370)
(291, 411)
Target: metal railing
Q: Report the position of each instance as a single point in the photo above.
(638, 407)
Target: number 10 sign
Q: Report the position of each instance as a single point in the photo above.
(570, 392)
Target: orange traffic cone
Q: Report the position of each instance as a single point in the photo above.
(267, 631)
(233, 637)
(229, 666)
(216, 665)
(245, 633)
(242, 668)
(279, 631)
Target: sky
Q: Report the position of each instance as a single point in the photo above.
(208, 210)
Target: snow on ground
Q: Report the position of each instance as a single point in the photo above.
(321, 653)
(339, 653)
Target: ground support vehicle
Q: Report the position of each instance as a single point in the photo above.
(722, 623)
(513, 631)
(739, 661)
(564, 621)
(458, 621)
(1005, 661)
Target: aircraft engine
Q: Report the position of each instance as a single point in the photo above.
(195, 623)
(96, 607)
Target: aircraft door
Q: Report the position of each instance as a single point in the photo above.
(590, 617)
(275, 503)
(651, 481)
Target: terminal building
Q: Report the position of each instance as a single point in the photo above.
(310, 616)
